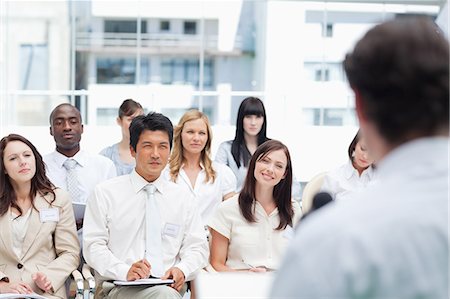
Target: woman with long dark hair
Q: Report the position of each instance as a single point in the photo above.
(251, 230)
(40, 246)
(251, 126)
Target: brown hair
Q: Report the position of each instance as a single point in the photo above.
(129, 107)
(282, 192)
(401, 70)
(39, 183)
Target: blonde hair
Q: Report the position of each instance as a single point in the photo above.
(177, 159)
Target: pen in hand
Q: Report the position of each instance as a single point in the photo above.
(255, 268)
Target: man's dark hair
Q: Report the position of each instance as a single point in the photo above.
(52, 114)
(153, 122)
(401, 71)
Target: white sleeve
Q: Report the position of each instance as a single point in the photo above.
(111, 173)
(194, 251)
(96, 237)
(220, 222)
(228, 180)
(222, 154)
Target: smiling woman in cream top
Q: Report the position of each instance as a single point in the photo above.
(251, 231)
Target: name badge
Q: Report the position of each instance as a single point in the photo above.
(288, 233)
(171, 229)
(49, 215)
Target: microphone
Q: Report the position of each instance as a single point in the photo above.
(319, 200)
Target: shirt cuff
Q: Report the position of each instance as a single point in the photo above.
(185, 270)
(122, 271)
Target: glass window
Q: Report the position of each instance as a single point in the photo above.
(190, 27)
(164, 26)
(33, 66)
(166, 72)
(186, 71)
(106, 116)
(329, 116)
(124, 26)
(328, 30)
(333, 117)
(121, 70)
(208, 79)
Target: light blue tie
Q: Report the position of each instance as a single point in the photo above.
(153, 247)
(73, 185)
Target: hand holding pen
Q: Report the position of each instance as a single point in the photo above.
(256, 269)
(139, 270)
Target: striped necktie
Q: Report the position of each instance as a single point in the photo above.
(73, 185)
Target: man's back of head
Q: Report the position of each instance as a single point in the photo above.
(389, 240)
(400, 74)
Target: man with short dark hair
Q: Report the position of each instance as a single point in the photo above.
(140, 224)
(68, 167)
(390, 240)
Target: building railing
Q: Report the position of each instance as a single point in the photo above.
(86, 40)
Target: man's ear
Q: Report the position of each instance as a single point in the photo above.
(51, 131)
(133, 152)
(82, 128)
(359, 107)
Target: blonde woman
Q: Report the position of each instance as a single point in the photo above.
(191, 167)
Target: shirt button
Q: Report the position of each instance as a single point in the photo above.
(19, 266)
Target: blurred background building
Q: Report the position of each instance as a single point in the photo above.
(175, 55)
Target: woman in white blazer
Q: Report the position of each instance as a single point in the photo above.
(38, 242)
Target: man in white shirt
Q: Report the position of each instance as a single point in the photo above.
(390, 240)
(87, 169)
(115, 230)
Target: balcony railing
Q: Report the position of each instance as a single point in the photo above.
(95, 41)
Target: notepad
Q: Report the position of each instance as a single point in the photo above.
(13, 296)
(147, 281)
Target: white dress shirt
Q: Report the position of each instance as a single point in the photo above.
(208, 195)
(91, 170)
(252, 244)
(344, 180)
(389, 241)
(19, 227)
(225, 156)
(114, 227)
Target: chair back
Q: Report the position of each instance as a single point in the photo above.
(311, 189)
